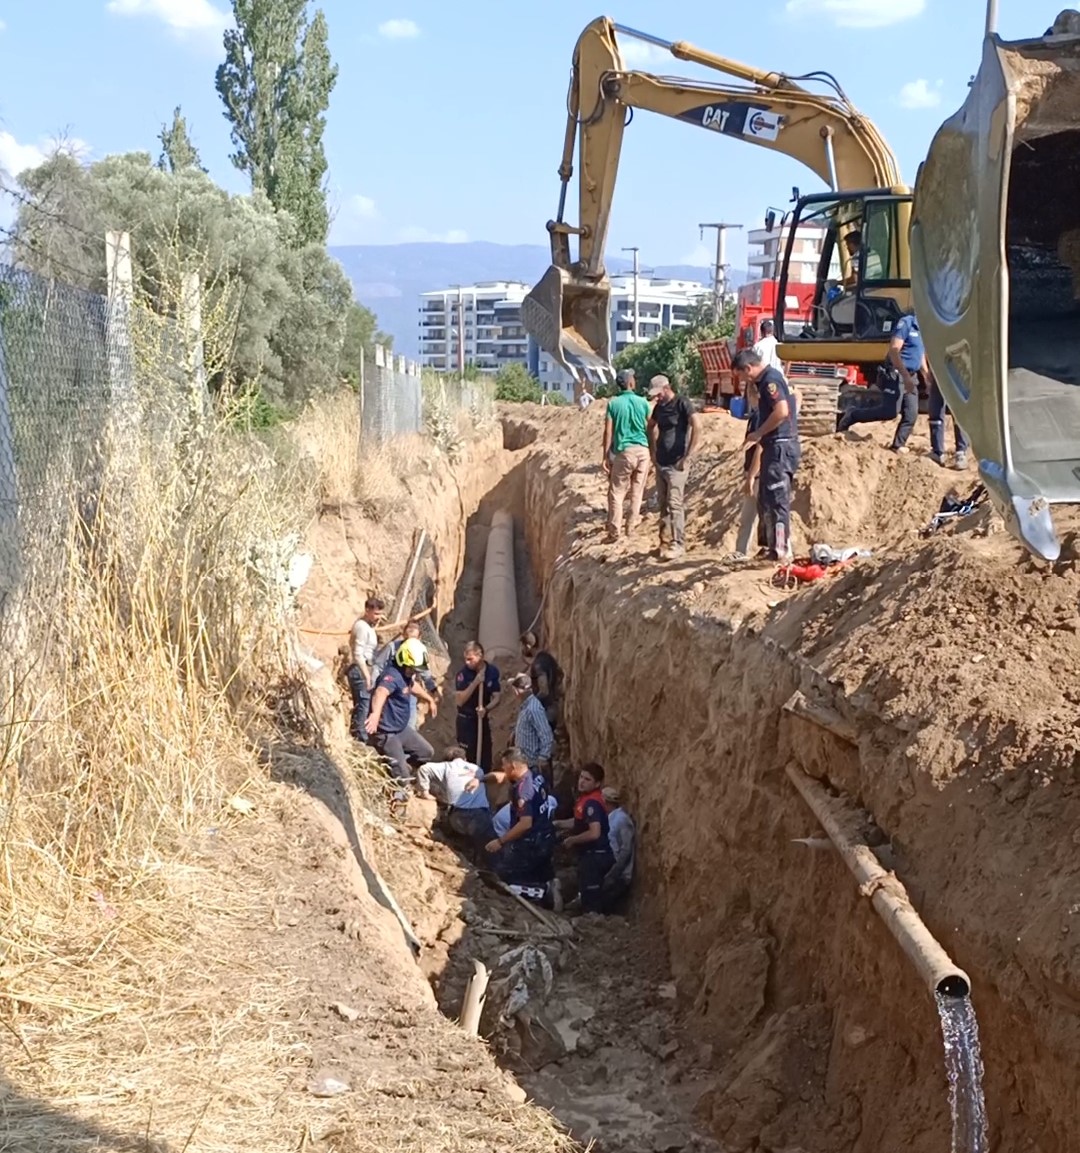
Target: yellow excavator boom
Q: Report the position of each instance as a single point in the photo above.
(567, 313)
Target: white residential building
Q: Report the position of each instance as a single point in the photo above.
(661, 304)
(487, 317)
(767, 248)
(493, 334)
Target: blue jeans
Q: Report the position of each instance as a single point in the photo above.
(938, 409)
(361, 699)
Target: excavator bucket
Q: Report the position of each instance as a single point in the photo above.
(570, 320)
(995, 254)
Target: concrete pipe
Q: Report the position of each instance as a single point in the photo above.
(886, 893)
(500, 628)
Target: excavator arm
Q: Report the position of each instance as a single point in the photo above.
(567, 312)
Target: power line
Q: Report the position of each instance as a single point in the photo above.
(21, 242)
(29, 202)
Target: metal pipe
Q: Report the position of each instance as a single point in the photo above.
(991, 17)
(499, 630)
(830, 156)
(472, 1006)
(886, 893)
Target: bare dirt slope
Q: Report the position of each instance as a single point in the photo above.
(955, 660)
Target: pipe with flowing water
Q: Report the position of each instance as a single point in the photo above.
(949, 984)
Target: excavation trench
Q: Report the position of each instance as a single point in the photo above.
(752, 997)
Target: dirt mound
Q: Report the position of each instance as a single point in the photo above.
(951, 660)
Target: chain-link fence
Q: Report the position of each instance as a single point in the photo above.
(400, 399)
(63, 368)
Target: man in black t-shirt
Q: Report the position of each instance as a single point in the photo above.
(674, 434)
(777, 432)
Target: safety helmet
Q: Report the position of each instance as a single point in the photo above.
(411, 654)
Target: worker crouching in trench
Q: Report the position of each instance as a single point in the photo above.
(588, 834)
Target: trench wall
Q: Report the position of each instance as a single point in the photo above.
(822, 1036)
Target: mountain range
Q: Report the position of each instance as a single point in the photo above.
(389, 278)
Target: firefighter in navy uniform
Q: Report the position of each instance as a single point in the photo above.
(777, 432)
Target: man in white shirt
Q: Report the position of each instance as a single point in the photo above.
(586, 398)
(767, 345)
(621, 836)
(450, 781)
(360, 674)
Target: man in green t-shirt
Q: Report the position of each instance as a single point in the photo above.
(626, 454)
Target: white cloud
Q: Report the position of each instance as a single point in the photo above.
(919, 94)
(399, 29)
(16, 157)
(639, 54)
(701, 256)
(181, 17)
(362, 207)
(858, 13)
(416, 235)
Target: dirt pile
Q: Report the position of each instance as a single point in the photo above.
(953, 660)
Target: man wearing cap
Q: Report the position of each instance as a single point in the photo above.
(621, 835)
(674, 433)
(532, 730)
(388, 722)
(625, 458)
(777, 432)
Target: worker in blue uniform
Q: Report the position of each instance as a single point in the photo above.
(777, 431)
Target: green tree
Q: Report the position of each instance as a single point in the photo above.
(674, 352)
(275, 83)
(513, 382)
(291, 299)
(361, 335)
(177, 151)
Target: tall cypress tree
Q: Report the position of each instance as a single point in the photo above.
(275, 83)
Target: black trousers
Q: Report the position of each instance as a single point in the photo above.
(400, 748)
(779, 460)
(468, 731)
(526, 862)
(592, 868)
(475, 824)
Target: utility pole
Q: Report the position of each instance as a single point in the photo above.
(637, 272)
(720, 270)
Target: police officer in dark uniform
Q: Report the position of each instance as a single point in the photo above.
(777, 432)
(898, 379)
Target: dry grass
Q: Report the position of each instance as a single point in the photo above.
(151, 998)
(326, 438)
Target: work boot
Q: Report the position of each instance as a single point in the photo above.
(673, 552)
(960, 464)
(935, 458)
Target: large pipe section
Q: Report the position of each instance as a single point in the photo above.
(500, 627)
(886, 893)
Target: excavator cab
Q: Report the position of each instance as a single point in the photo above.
(863, 281)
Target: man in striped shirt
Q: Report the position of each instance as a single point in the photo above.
(532, 731)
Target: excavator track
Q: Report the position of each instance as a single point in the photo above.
(817, 406)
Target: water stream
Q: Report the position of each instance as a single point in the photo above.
(964, 1067)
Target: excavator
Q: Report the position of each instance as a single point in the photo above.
(861, 290)
(986, 247)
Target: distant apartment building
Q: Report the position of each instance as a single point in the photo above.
(661, 304)
(767, 248)
(484, 320)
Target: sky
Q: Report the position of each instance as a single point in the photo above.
(447, 120)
